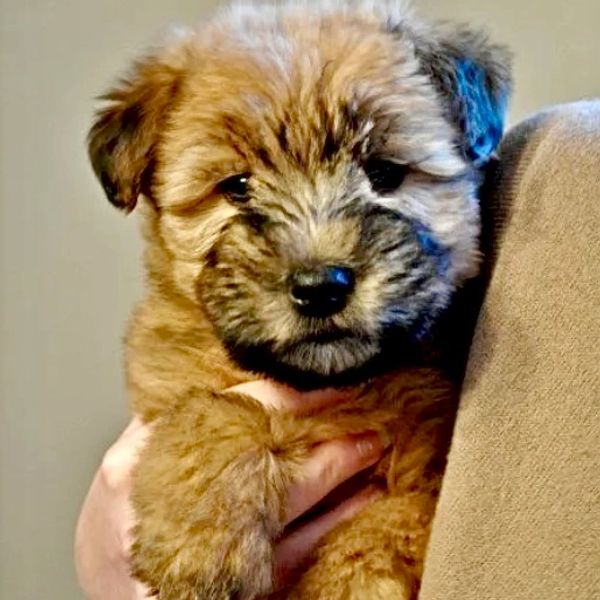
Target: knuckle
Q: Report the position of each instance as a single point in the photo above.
(345, 457)
(124, 548)
(113, 469)
(329, 472)
(341, 460)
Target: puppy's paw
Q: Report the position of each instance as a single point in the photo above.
(360, 583)
(208, 494)
(241, 576)
(205, 565)
(378, 586)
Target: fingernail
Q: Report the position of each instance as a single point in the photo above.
(369, 445)
(386, 438)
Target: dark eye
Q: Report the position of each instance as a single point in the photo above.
(236, 188)
(385, 176)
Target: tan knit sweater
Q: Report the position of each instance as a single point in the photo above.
(519, 515)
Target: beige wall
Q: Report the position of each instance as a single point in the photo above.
(556, 44)
(69, 263)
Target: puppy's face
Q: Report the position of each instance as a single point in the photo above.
(312, 180)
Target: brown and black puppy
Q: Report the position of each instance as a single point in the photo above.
(308, 176)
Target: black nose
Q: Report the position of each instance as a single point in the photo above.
(321, 292)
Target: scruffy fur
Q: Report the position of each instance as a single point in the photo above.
(305, 99)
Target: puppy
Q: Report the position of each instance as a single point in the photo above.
(308, 177)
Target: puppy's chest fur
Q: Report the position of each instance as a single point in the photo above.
(209, 442)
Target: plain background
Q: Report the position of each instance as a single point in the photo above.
(70, 268)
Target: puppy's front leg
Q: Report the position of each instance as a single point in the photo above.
(210, 492)
(208, 495)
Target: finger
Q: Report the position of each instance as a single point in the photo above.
(282, 397)
(329, 465)
(293, 550)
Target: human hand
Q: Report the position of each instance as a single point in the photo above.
(102, 540)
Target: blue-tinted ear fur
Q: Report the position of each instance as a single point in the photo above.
(482, 118)
(473, 79)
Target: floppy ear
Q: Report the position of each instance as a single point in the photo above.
(122, 140)
(473, 77)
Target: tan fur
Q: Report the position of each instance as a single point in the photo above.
(292, 96)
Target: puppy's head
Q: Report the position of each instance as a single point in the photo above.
(312, 178)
